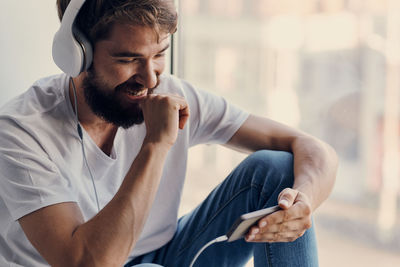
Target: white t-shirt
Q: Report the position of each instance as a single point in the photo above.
(41, 161)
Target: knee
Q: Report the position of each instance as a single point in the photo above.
(273, 166)
(271, 160)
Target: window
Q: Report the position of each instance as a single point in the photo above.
(329, 67)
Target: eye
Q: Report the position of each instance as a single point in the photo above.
(127, 61)
(123, 61)
(159, 55)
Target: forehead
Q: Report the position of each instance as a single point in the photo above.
(125, 36)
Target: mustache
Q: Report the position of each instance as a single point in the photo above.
(129, 87)
(135, 87)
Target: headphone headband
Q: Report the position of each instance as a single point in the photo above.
(71, 13)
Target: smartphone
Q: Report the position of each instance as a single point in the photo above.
(242, 225)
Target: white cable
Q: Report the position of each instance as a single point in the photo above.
(80, 133)
(91, 176)
(216, 240)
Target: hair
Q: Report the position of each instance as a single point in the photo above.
(96, 17)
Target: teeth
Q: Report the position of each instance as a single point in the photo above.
(137, 93)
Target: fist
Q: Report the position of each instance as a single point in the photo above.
(163, 115)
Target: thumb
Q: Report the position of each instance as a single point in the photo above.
(286, 198)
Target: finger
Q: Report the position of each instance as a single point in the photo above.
(277, 218)
(182, 104)
(182, 107)
(289, 236)
(294, 225)
(253, 230)
(142, 101)
(178, 102)
(297, 211)
(183, 117)
(179, 99)
(286, 198)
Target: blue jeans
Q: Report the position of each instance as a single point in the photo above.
(254, 184)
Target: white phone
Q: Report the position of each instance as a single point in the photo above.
(242, 225)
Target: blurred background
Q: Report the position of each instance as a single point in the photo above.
(328, 67)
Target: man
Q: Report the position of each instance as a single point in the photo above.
(107, 194)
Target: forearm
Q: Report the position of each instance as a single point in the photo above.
(315, 165)
(107, 238)
(315, 162)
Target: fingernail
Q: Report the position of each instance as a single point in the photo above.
(262, 224)
(284, 203)
(255, 231)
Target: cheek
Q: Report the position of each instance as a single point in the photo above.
(120, 72)
(112, 73)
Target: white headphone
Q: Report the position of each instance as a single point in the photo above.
(72, 51)
(73, 54)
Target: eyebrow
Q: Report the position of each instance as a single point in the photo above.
(131, 54)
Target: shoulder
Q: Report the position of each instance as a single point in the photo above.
(38, 112)
(42, 96)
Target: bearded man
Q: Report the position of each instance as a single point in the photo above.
(92, 166)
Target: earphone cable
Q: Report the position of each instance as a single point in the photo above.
(80, 133)
(221, 238)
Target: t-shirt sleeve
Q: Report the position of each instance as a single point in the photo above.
(212, 119)
(29, 180)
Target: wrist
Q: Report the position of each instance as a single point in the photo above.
(156, 146)
(307, 191)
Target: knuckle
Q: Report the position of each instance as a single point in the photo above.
(276, 236)
(175, 106)
(157, 97)
(165, 99)
(285, 227)
(269, 236)
(307, 210)
(308, 225)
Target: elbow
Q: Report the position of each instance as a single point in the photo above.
(333, 159)
(331, 164)
(321, 155)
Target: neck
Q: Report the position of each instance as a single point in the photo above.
(101, 132)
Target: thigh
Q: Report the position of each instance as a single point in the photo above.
(254, 184)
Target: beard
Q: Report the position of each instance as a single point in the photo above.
(106, 102)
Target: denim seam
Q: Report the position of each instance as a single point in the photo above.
(268, 253)
(216, 214)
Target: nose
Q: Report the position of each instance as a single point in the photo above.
(147, 75)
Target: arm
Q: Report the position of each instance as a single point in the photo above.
(59, 232)
(315, 165)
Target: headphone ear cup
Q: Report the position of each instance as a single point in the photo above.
(72, 51)
(86, 47)
(67, 53)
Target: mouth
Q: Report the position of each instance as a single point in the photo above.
(135, 95)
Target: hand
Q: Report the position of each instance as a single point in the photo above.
(285, 225)
(163, 114)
